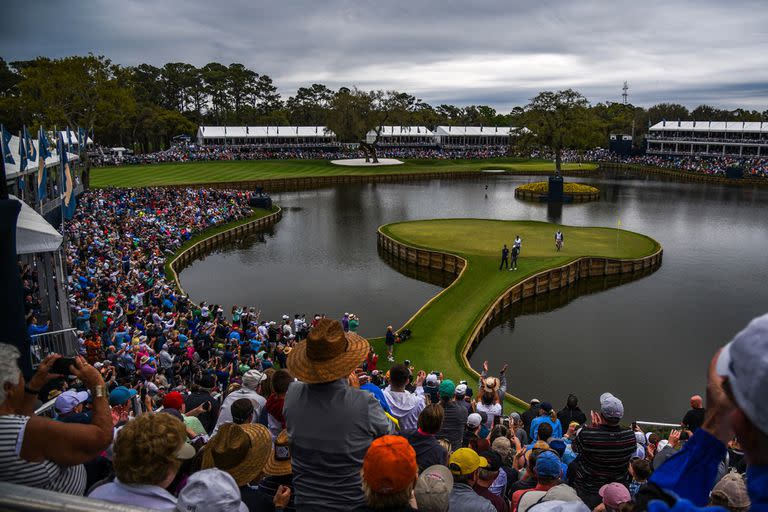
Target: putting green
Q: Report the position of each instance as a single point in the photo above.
(246, 170)
(443, 326)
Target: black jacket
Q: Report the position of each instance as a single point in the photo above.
(566, 415)
(428, 450)
(529, 415)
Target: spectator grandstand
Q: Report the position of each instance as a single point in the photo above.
(709, 138)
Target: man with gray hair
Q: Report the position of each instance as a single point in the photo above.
(604, 450)
(251, 387)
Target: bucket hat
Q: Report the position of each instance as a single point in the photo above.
(327, 354)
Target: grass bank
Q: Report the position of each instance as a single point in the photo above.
(443, 326)
(232, 171)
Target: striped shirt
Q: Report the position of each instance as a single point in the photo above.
(45, 475)
(604, 454)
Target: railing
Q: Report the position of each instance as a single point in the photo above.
(20, 498)
(62, 342)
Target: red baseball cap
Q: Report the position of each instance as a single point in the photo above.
(390, 465)
(173, 400)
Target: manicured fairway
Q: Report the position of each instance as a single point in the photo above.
(440, 330)
(227, 171)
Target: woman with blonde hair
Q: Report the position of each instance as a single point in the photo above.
(148, 453)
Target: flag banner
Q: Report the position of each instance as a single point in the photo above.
(82, 140)
(6, 139)
(31, 151)
(22, 153)
(68, 199)
(42, 154)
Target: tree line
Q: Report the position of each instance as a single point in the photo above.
(144, 106)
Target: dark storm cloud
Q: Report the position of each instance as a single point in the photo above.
(496, 52)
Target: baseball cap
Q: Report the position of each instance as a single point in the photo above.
(390, 465)
(515, 416)
(432, 379)
(474, 420)
(433, 489)
(732, 490)
(173, 400)
(546, 407)
(611, 407)
(121, 395)
(614, 494)
(461, 390)
(547, 464)
(210, 490)
(253, 378)
(535, 401)
(68, 400)
(466, 461)
(744, 362)
(447, 388)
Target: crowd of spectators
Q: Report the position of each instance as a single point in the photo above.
(195, 153)
(176, 405)
(755, 167)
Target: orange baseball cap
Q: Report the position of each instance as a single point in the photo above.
(390, 465)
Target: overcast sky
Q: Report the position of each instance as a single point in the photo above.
(499, 53)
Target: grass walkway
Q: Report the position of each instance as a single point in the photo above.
(441, 329)
(231, 171)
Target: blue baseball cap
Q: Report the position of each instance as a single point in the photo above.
(121, 395)
(547, 464)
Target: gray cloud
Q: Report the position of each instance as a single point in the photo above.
(495, 52)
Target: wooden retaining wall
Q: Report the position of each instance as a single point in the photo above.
(540, 283)
(206, 245)
(684, 175)
(577, 197)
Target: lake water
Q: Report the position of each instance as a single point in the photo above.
(648, 341)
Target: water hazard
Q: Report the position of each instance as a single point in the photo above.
(648, 340)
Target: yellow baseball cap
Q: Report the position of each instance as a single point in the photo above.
(465, 461)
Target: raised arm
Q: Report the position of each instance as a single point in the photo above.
(69, 444)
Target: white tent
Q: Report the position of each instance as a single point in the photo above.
(33, 233)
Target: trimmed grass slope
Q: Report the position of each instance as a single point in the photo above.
(442, 327)
(245, 170)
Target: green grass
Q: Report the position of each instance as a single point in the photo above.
(231, 171)
(441, 329)
(257, 213)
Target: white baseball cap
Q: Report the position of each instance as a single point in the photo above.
(744, 362)
(210, 490)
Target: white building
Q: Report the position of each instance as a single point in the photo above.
(279, 136)
(402, 136)
(459, 136)
(709, 138)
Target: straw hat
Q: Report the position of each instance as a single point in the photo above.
(491, 384)
(327, 354)
(279, 462)
(240, 450)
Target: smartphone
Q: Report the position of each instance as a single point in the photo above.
(62, 364)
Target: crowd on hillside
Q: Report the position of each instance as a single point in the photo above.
(757, 167)
(175, 405)
(195, 153)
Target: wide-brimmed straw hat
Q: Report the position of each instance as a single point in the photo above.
(279, 462)
(240, 450)
(491, 384)
(327, 354)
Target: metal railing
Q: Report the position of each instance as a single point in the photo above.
(20, 498)
(62, 342)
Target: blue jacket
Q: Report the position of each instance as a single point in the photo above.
(557, 430)
(691, 473)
